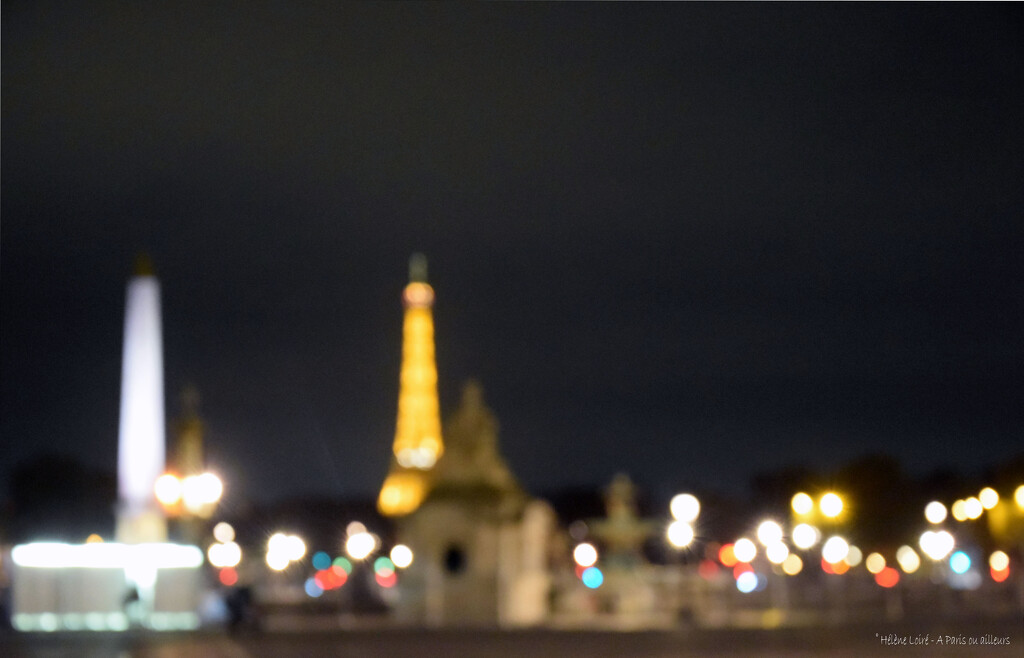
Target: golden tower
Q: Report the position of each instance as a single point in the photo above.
(418, 443)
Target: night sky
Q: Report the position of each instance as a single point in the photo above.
(689, 242)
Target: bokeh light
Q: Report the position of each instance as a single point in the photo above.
(585, 554)
(998, 560)
(835, 550)
(792, 565)
(805, 536)
(312, 588)
(277, 561)
(401, 555)
(973, 508)
(727, 555)
(959, 510)
(908, 559)
(227, 554)
(341, 564)
(802, 504)
(680, 534)
(296, 548)
(223, 532)
(360, 545)
(321, 561)
(999, 575)
(746, 582)
(383, 565)
(854, 556)
(167, 489)
(769, 532)
(959, 562)
(887, 577)
(744, 550)
(935, 512)
(228, 577)
(776, 552)
(386, 579)
(831, 505)
(592, 577)
(875, 563)
(1018, 496)
(989, 497)
(685, 507)
(936, 545)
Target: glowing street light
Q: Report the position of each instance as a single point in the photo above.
(744, 550)
(1018, 496)
(831, 505)
(989, 497)
(360, 545)
(167, 489)
(936, 545)
(805, 536)
(769, 532)
(585, 554)
(685, 507)
(680, 534)
(908, 559)
(401, 555)
(835, 550)
(935, 512)
(802, 504)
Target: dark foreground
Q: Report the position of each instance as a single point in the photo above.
(894, 639)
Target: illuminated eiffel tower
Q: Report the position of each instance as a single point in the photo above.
(418, 443)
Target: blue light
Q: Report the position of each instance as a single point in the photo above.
(592, 577)
(312, 589)
(747, 582)
(321, 561)
(959, 562)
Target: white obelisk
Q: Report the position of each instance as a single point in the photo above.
(141, 451)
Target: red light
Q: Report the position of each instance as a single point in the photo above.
(388, 580)
(329, 579)
(227, 576)
(1000, 575)
(887, 577)
(827, 566)
(741, 568)
(707, 569)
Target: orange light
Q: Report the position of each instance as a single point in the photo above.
(727, 556)
(1000, 575)
(887, 577)
(228, 576)
(741, 568)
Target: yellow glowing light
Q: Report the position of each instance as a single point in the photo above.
(223, 555)
(831, 505)
(908, 559)
(585, 554)
(802, 503)
(167, 489)
(744, 550)
(769, 532)
(94, 539)
(680, 534)
(805, 536)
(199, 492)
(935, 512)
(777, 552)
(959, 510)
(854, 557)
(401, 555)
(835, 550)
(792, 565)
(1018, 496)
(998, 561)
(875, 563)
(277, 561)
(989, 497)
(973, 508)
(685, 507)
(403, 491)
(223, 532)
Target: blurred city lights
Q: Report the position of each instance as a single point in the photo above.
(354, 528)
(585, 555)
(199, 491)
(223, 532)
(959, 562)
(875, 563)
(769, 532)
(283, 549)
(222, 555)
(313, 589)
(592, 577)
(167, 489)
(831, 505)
(383, 566)
(959, 510)
(936, 545)
(386, 579)
(973, 508)
(296, 548)
(998, 561)
(680, 534)
(854, 557)
(935, 512)
(94, 539)
(888, 577)
(685, 507)
(802, 503)
(341, 564)
(321, 561)
(1018, 496)
(745, 550)
(792, 565)
(727, 555)
(228, 577)
(908, 559)
(277, 561)
(777, 552)
(746, 582)
(401, 555)
(1000, 575)
(359, 545)
(835, 550)
(805, 536)
(989, 497)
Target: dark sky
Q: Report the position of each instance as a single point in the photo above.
(684, 241)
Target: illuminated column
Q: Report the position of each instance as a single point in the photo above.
(418, 442)
(140, 457)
